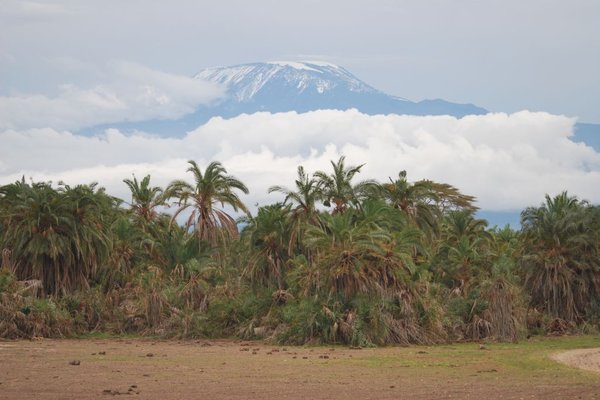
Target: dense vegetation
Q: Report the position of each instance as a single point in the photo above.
(337, 260)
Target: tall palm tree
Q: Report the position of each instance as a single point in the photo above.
(210, 188)
(304, 198)
(337, 188)
(145, 199)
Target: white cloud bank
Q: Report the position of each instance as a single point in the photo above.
(507, 161)
(132, 93)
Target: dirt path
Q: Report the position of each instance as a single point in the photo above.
(163, 370)
(588, 359)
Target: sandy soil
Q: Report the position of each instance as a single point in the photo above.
(588, 359)
(96, 369)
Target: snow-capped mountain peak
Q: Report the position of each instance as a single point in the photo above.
(300, 86)
(294, 64)
(246, 82)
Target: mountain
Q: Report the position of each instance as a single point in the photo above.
(282, 86)
(306, 86)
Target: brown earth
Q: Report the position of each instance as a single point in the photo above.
(161, 370)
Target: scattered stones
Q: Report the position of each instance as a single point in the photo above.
(75, 362)
(114, 392)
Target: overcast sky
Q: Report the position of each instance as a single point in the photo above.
(68, 64)
(504, 55)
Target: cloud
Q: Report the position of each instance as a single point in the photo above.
(508, 161)
(133, 93)
(32, 10)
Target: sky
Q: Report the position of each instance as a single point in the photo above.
(68, 64)
(503, 55)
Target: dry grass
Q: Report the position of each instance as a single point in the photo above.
(250, 370)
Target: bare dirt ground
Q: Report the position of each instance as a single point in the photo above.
(147, 369)
(588, 359)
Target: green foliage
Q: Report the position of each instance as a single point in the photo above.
(7, 280)
(561, 258)
(394, 263)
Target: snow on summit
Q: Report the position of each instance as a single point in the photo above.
(244, 82)
(294, 64)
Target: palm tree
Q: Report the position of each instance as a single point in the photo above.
(145, 198)
(337, 188)
(463, 245)
(561, 257)
(342, 252)
(305, 212)
(305, 197)
(210, 188)
(61, 236)
(268, 237)
(393, 257)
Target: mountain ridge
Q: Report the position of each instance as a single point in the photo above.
(282, 86)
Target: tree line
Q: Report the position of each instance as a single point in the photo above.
(338, 260)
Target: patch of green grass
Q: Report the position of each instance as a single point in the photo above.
(521, 360)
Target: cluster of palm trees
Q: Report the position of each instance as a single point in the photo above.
(336, 260)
